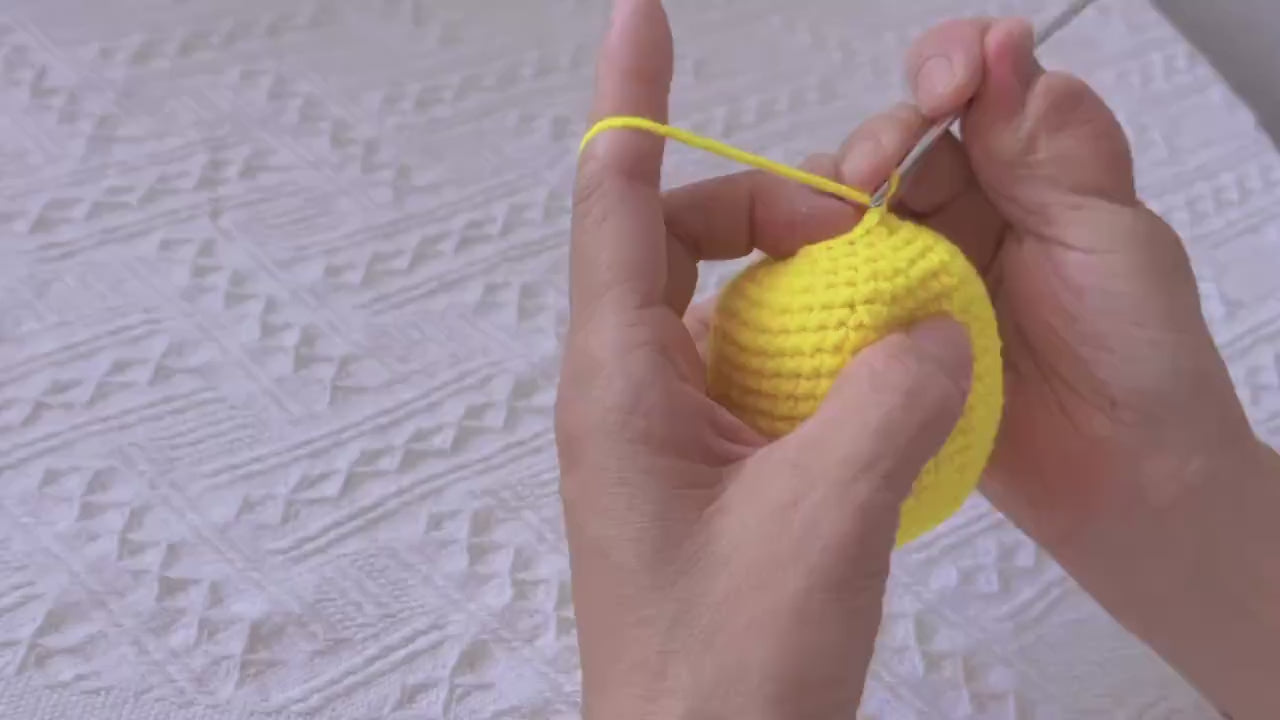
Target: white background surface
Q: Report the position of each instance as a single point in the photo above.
(1242, 39)
(280, 290)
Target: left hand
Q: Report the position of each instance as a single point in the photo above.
(714, 573)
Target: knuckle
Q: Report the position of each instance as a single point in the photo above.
(1065, 95)
(942, 37)
(896, 130)
(872, 137)
(591, 190)
(905, 117)
(879, 143)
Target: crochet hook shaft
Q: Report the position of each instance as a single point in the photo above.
(909, 163)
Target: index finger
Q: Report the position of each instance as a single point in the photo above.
(618, 249)
(945, 66)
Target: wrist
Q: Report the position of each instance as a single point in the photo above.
(1196, 576)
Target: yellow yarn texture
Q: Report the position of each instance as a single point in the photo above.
(784, 329)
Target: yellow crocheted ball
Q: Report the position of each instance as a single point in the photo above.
(784, 329)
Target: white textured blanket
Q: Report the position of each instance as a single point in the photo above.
(280, 289)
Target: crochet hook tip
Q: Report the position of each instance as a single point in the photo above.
(1042, 35)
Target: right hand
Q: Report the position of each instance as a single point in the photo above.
(1124, 449)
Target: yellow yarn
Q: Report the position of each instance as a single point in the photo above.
(817, 182)
(784, 329)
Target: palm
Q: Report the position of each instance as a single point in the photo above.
(1095, 297)
(1060, 391)
(1098, 325)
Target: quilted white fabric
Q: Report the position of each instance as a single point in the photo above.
(280, 294)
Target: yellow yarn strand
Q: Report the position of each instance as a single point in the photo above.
(817, 182)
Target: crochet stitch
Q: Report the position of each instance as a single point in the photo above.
(784, 329)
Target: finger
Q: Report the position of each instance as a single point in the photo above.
(618, 255)
(830, 493)
(1010, 72)
(945, 66)
(724, 218)
(729, 216)
(942, 192)
(891, 409)
(874, 149)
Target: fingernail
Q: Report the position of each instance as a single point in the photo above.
(934, 78)
(947, 342)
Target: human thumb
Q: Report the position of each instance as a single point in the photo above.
(805, 531)
(891, 409)
(1040, 142)
(850, 466)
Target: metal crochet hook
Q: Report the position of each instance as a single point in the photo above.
(909, 163)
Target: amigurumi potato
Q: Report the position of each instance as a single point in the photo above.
(784, 329)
